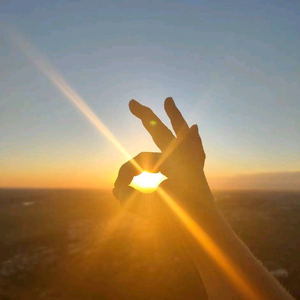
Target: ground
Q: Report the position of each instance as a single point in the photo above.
(79, 244)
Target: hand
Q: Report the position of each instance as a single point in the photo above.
(181, 159)
(219, 255)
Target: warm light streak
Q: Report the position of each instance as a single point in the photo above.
(235, 275)
(170, 148)
(202, 238)
(60, 83)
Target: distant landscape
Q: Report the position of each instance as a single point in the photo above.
(79, 244)
(279, 181)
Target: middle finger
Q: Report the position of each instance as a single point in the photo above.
(160, 133)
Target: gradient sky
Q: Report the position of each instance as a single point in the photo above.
(232, 67)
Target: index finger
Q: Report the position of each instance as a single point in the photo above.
(160, 133)
(145, 161)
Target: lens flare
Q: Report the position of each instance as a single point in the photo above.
(69, 92)
(235, 275)
(147, 182)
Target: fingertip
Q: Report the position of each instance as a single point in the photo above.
(132, 102)
(134, 106)
(195, 128)
(169, 99)
(170, 106)
(169, 102)
(194, 131)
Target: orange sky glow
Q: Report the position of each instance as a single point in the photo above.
(70, 160)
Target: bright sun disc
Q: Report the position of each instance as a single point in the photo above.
(147, 182)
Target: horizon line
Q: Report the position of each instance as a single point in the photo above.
(110, 189)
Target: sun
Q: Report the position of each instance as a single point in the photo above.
(147, 182)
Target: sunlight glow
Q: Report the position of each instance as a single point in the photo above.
(60, 83)
(147, 182)
(235, 275)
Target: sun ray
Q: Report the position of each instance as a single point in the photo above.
(68, 91)
(170, 148)
(121, 215)
(109, 230)
(201, 237)
(235, 275)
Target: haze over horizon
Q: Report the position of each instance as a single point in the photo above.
(233, 68)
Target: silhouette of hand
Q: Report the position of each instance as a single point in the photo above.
(181, 160)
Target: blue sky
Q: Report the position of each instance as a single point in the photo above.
(232, 67)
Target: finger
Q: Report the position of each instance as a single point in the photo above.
(179, 124)
(198, 142)
(161, 135)
(145, 161)
(129, 198)
(195, 133)
(136, 202)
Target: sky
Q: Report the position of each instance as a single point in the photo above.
(232, 67)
